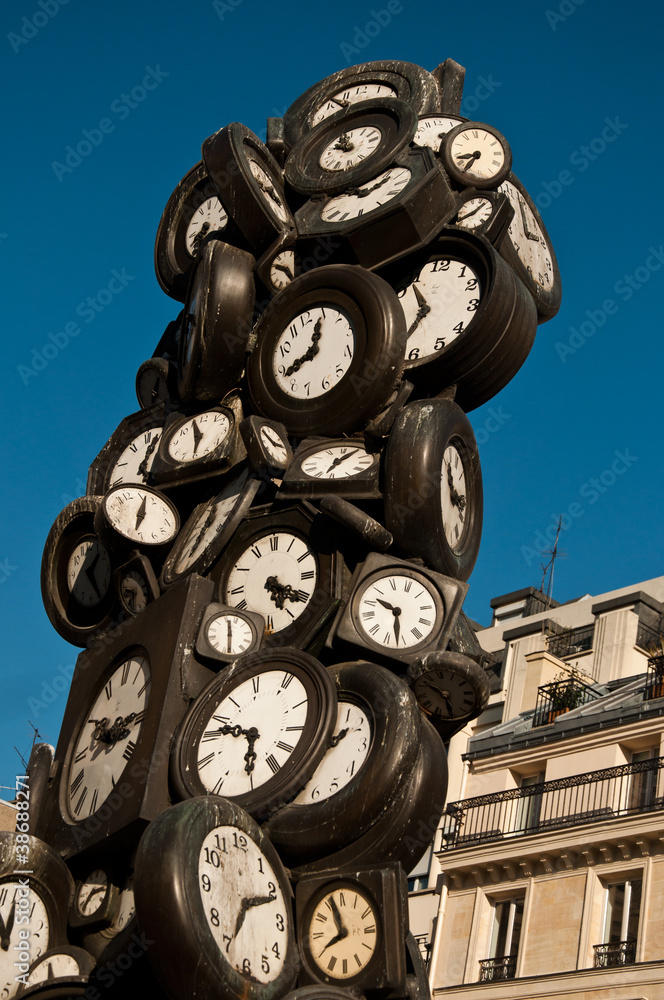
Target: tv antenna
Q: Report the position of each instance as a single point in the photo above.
(548, 568)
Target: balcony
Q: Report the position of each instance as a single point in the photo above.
(655, 678)
(571, 641)
(559, 697)
(555, 805)
(609, 955)
(494, 969)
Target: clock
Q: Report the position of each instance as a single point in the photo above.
(284, 565)
(268, 448)
(210, 526)
(57, 967)
(352, 928)
(95, 899)
(226, 633)
(432, 129)
(249, 182)
(342, 466)
(449, 686)
(350, 147)
(156, 382)
(216, 323)
(485, 213)
(329, 351)
(257, 732)
(229, 932)
(372, 752)
(192, 212)
(120, 918)
(397, 610)
(477, 155)
(132, 516)
(136, 584)
(128, 454)
(396, 211)
(35, 888)
(76, 574)
(195, 446)
(278, 265)
(353, 86)
(529, 251)
(433, 494)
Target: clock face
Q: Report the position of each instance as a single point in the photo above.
(351, 95)
(445, 693)
(199, 436)
(135, 461)
(282, 269)
(528, 240)
(477, 153)
(343, 932)
(89, 572)
(210, 217)
(338, 462)
(56, 966)
(134, 591)
(107, 738)
(141, 515)
(243, 903)
(276, 575)
(230, 633)
(432, 129)
(252, 733)
(438, 305)
(274, 445)
(273, 199)
(474, 213)
(397, 611)
(314, 352)
(91, 893)
(15, 905)
(367, 197)
(453, 497)
(126, 907)
(349, 749)
(350, 147)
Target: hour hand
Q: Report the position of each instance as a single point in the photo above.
(247, 903)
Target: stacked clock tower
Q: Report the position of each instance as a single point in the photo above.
(266, 574)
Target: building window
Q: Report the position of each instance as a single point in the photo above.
(507, 918)
(528, 808)
(621, 924)
(643, 784)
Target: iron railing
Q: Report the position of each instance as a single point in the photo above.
(620, 953)
(655, 678)
(571, 641)
(492, 969)
(648, 637)
(559, 697)
(598, 795)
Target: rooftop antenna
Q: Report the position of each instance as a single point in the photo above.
(549, 567)
(23, 761)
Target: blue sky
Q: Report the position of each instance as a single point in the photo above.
(575, 87)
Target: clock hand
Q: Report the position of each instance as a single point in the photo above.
(247, 903)
(280, 592)
(284, 268)
(229, 636)
(270, 191)
(310, 352)
(337, 917)
(343, 933)
(342, 458)
(198, 436)
(140, 516)
(90, 573)
(471, 157)
(143, 470)
(49, 974)
(397, 628)
(362, 192)
(526, 227)
(390, 607)
(7, 930)
(423, 309)
(130, 591)
(336, 740)
(344, 143)
(468, 215)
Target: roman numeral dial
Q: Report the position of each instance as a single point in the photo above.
(343, 933)
(397, 611)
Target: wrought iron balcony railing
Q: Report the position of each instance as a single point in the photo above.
(492, 969)
(571, 641)
(649, 638)
(655, 678)
(559, 697)
(620, 953)
(550, 805)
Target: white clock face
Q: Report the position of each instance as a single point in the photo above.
(243, 903)
(438, 306)
(107, 738)
(453, 498)
(314, 352)
(397, 611)
(351, 95)
(89, 572)
(474, 213)
(252, 733)
(202, 531)
(141, 515)
(276, 576)
(199, 436)
(351, 743)
(273, 444)
(56, 966)
(343, 933)
(92, 893)
(477, 154)
(367, 197)
(210, 217)
(351, 147)
(126, 907)
(135, 462)
(338, 462)
(432, 129)
(273, 199)
(528, 239)
(282, 269)
(230, 633)
(15, 905)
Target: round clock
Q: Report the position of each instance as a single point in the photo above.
(226, 633)
(351, 147)
(193, 212)
(217, 322)
(229, 932)
(476, 155)
(105, 737)
(329, 351)
(136, 584)
(128, 454)
(433, 495)
(258, 731)
(68, 963)
(449, 686)
(528, 249)
(267, 444)
(373, 750)
(156, 382)
(119, 912)
(198, 446)
(342, 466)
(432, 129)
(485, 213)
(137, 515)
(341, 931)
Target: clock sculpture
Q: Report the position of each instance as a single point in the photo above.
(267, 570)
